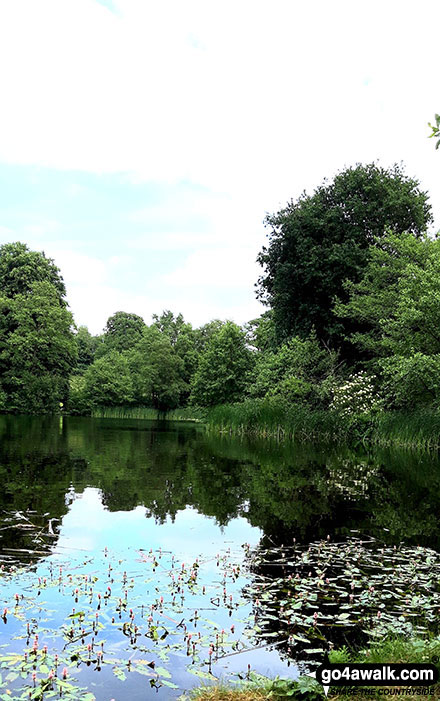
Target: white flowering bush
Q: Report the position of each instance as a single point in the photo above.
(357, 395)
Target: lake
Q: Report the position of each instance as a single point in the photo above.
(142, 558)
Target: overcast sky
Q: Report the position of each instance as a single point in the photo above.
(142, 143)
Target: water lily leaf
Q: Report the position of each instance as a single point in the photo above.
(162, 672)
(119, 673)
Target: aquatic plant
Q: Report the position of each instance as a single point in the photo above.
(326, 594)
(69, 620)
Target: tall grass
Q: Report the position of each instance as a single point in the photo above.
(278, 419)
(121, 412)
(416, 429)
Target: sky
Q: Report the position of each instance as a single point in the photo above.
(143, 142)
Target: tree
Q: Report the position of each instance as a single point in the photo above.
(108, 381)
(398, 300)
(169, 324)
(156, 370)
(122, 331)
(20, 268)
(224, 368)
(87, 346)
(204, 333)
(37, 349)
(321, 240)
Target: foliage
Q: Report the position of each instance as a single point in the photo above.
(156, 371)
(20, 268)
(299, 370)
(122, 331)
(277, 417)
(37, 349)
(223, 369)
(87, 346)
(204, 334)
(186, 343)
(321, 240)
(108, 381)
(435, 130)
(169, 324)
(398, 300)
(260, 332)
(325, 593)
(190, 414)
(78, 402)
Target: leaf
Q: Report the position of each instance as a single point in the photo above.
(200, 673)
(162, 672)
(119, 673)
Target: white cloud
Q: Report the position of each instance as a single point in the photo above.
(280, 95)
(253, 101)
(217, 267)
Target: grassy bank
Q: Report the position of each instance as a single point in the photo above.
(183, 414)
(278, 419)
(387, 651)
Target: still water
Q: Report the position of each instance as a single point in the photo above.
(125, 547)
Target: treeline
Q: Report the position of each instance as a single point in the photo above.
(166, 365)
(351, 280)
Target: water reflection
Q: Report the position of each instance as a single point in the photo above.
(284, 490)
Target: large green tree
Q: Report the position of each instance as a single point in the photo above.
(108, 381)
(37, 349)
(319, 241)
(156, 370)
(87, 346)
(224, 368)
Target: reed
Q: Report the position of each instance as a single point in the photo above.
(277, 419)
(416, 429)
(120, 412)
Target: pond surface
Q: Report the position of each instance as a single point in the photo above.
(125, 548)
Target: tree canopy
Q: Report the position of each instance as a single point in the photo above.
(224, 368)
(21, 267)
(122, 331)
(37, 349)
(319, 241)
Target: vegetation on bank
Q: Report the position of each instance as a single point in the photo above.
(387, 651)
(348, 347)
(278, 419)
